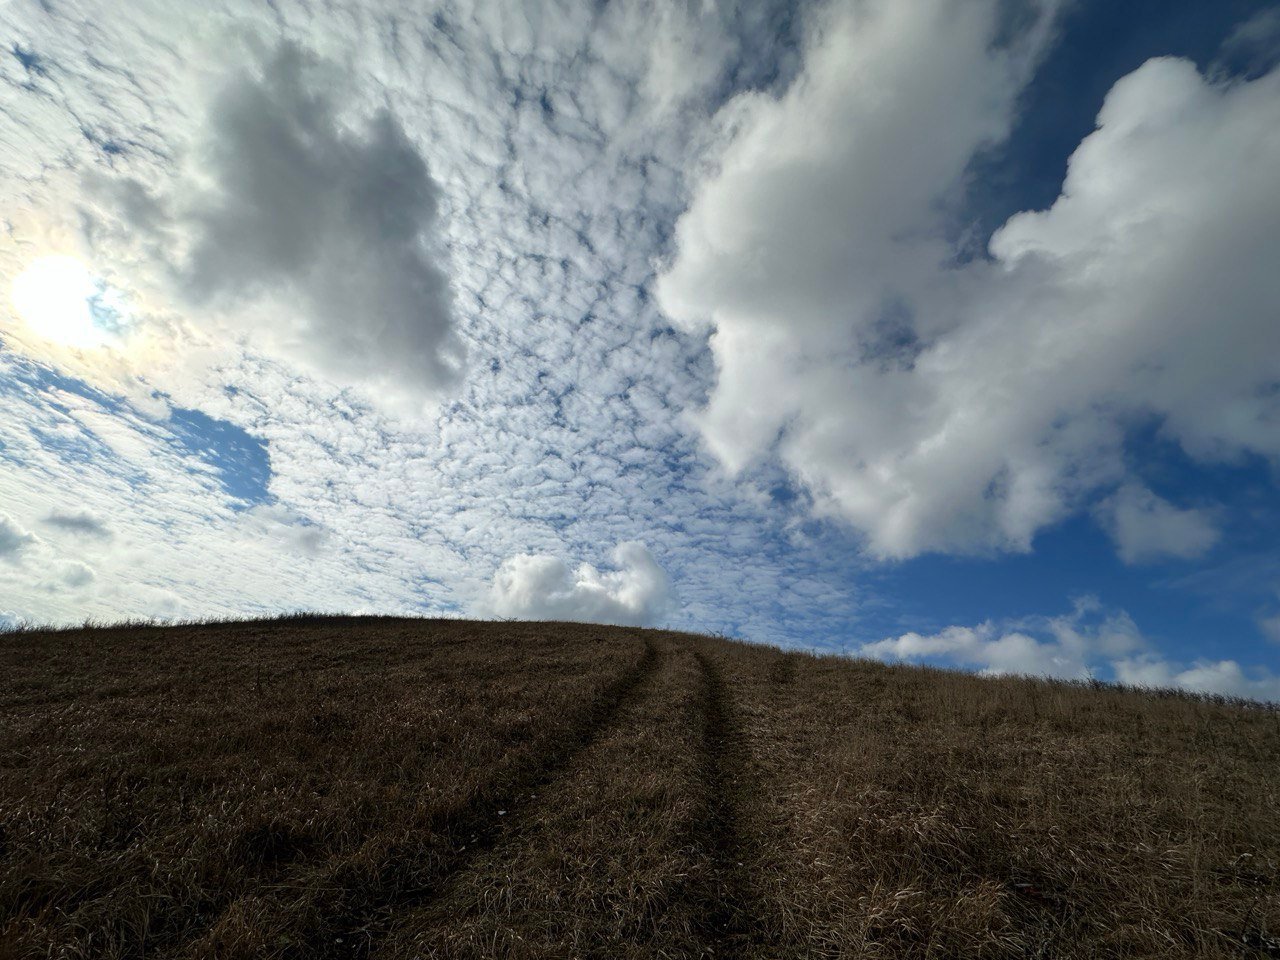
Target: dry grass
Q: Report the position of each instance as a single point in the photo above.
(329, 787)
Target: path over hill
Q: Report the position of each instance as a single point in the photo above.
(334, 788)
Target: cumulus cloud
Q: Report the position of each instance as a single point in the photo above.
(961, 406)
(1069, 647)
(1225, 677)
(13, 538)
(1146, 527)
(337, 227)
(1089, 642)
(542, 587)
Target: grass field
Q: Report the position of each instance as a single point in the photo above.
(327, 787)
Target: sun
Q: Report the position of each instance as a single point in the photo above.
(58, 297)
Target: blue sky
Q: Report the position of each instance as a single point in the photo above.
(939, 330)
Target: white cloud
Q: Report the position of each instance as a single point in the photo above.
(1146, 527)
(1089, 642)
(951, 407)
(1225, 677)
(293, 532)
(542, 587)
(1069, 647)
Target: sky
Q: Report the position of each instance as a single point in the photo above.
(936, 331)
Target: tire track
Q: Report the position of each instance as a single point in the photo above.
(355, 929)
(489, 903)
(728, 916)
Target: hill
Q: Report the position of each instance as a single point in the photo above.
(330, 787)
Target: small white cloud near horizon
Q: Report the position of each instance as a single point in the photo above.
(1146, 527)
(543, 587)
(1224, 677)
(1066, 647)
(1084, 644)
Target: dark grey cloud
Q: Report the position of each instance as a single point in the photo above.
(341, 223)
(81, 523)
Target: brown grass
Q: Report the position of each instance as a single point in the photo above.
(333, 787)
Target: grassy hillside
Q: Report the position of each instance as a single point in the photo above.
(395, 789)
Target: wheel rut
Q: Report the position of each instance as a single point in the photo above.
(356, 931)
(728, 918)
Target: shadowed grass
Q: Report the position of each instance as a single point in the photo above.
(320, 786)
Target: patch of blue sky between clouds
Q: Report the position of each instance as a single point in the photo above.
(240, 461)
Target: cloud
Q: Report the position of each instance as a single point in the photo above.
(293, 532)
(1269, 625)
(944, 404)
(1087, 643)
(337, 230)
(79, 522)
(1256, 42)
(560, 191)
(1225, 677)
(1069, 647)
(1146, 527)
(74, 574)
(13, 538)
(557, 142)
(542, 587)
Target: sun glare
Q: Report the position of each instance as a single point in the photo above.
(56, 296)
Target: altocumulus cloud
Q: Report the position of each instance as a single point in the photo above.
(543, 587)
(944, 404)
(335, 229)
